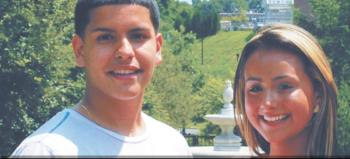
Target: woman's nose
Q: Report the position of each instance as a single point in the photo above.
(270, 99)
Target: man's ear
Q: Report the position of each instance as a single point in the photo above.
(159, 41)
(77, 44)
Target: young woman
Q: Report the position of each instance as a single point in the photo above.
(285, 94)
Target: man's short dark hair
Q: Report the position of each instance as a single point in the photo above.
(83, 9)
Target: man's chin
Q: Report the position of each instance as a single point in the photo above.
(127, 96)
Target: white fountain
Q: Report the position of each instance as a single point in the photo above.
(227, 143)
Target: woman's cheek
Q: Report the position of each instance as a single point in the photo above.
(251, 107)
(252, 101)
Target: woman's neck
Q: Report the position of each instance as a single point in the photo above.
(296, 146)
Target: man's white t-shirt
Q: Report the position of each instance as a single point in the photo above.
(69, 133)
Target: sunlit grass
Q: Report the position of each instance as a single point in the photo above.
(220, 51)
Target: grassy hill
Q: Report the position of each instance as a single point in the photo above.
(220, 59)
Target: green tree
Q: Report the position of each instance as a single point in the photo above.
(255, 4)
(180, 94)
(183, 16)
(173, 81)
(205, 22)
(230, 6)
(36, 66)
(331, 25)
(343, 119)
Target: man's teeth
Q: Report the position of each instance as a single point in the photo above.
(275, 118)
(124, 72)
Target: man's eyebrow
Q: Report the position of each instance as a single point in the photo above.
(139, 29)
(102, 30)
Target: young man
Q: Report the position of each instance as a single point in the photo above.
(118, 44)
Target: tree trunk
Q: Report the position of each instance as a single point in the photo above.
(202, 49)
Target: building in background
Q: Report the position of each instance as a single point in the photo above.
(278, 11)
(255, 18)
(226, 25)
(270, 11)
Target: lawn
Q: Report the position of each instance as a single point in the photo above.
(220, 59)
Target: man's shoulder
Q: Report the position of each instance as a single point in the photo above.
(46, 144)
(56, 122)
(175, 143)
(44, 141)
(161, 128)
(157, 124)
(67, 124)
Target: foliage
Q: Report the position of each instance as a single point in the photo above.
(205, 14)
(35, 66)
(169, 95)
(173, 81)
(210, 98)
(238, 7)
(183, 17)
(223, 50)
(331, 25)
(241, 17)
(181, 88)
(343, 120)
(230, 6)
(255, 4)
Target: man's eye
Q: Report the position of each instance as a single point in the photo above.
(284, 86)
(138, 37)
(105, 37)
(255, 89)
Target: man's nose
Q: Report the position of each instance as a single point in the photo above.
(124, 50)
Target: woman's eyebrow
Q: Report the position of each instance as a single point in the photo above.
(279, 77)
(253, 79)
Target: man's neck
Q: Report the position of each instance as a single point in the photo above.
(120, 116)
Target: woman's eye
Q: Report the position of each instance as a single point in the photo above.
(105, 37)
(255, 89)
(284, 86)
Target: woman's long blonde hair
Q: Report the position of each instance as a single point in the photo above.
(291, 38)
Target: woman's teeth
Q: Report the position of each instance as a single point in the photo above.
(275, 118)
